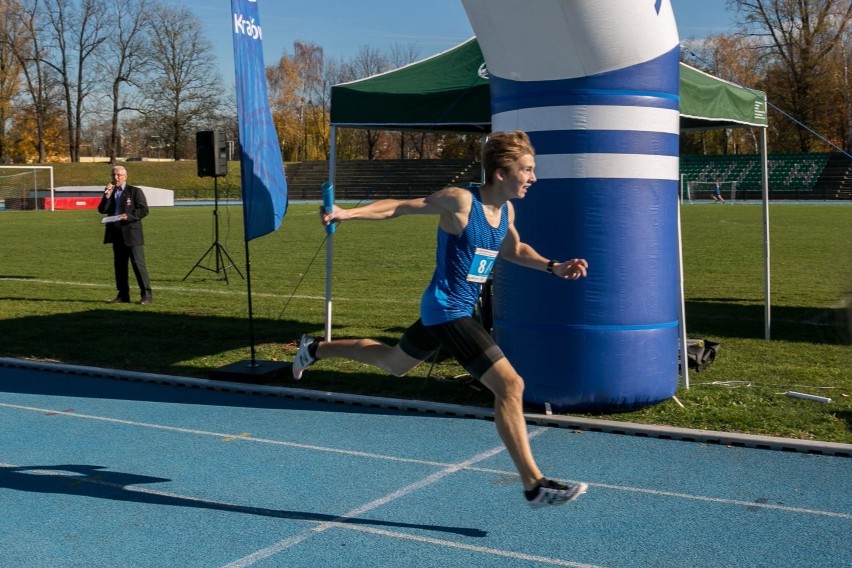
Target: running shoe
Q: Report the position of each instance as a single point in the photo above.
(303, 357)
(550, 492)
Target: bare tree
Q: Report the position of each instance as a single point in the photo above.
(184, 92)
(78, 31)
(369, 61)
(299, 91)
(9, 68)
(285, 87)
(845, 53)
(30, 50)
(400, 56)
(334, 72)
(348, 140)
(309, 60)
(799, 36)
(735, 58)
(126, 58)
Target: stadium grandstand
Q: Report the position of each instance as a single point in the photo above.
(379, 179)
(813, 176)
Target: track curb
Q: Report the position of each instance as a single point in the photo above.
(731, 439)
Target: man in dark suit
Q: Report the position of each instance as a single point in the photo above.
(127, 203)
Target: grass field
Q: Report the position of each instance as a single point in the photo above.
(182, 177)
(55, 276)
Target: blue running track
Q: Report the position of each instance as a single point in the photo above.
(99, 472)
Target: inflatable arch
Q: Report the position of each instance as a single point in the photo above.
(595, 85)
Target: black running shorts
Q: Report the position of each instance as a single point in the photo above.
(464, 338)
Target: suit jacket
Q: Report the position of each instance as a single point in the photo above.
(135, 206)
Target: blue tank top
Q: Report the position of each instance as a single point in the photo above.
(463, 264)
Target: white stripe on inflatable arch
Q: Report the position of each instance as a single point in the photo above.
(607, 166)
(590, 117)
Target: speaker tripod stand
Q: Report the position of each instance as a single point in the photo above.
(216, 249)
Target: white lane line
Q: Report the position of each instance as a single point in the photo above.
(341, 521)
(221, 435)
(425, 482)
(215, 504)
(690, 496)
(470, 547)
(185, 290)
(738, 502)
(237, 437)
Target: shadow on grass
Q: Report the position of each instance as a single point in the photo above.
(137, 339)
(131, 338)
(733, 317)
(53, 300)
(192, 345)
(58, 383)
(846, 416)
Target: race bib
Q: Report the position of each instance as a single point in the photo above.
(480, 267)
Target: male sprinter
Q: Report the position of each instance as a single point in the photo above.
(475, 225)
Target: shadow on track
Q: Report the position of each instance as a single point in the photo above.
(98, 482)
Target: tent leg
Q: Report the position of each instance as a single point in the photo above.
(329, 244)
(764, 182)
(684, 360)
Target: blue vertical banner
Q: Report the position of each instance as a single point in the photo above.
(264, 186)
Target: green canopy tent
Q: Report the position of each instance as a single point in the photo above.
(450, 92)
(709, 102)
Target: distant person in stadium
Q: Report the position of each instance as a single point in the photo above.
(717, 193)
(128, 204)
(474, 226)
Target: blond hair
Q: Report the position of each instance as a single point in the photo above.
(502, 150)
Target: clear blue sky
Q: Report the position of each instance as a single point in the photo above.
(340, 27)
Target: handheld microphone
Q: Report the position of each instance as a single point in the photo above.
(328, 204)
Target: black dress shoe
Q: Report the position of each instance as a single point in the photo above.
(118, 300)
(146, 300)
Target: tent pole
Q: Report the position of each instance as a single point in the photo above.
(684, 359)
(329, 243)
(482, 140)
(764, 182)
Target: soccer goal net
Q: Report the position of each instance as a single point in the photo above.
(26, 187)
(706, 190)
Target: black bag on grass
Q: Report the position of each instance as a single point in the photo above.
(700, 353)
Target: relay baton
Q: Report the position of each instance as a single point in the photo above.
(328, 204)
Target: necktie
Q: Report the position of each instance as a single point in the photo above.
(118, 191)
